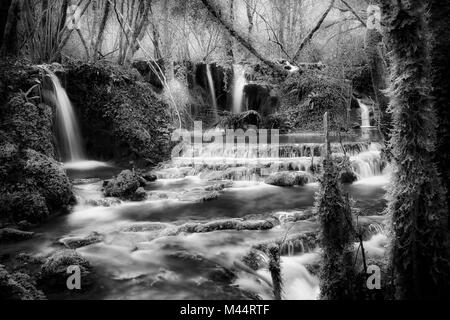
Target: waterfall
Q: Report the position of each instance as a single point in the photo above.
(67, 121)
(212, 91)
(365, 115)
(238, 87)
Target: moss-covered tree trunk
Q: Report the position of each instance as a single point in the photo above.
(440, 28)
(416, 198)
(337, 273)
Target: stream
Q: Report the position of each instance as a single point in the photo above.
(136, 260)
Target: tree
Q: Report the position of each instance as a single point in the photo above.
(9, 35)
(337, 274)
(416, 203)
(375, 59)
(440, 28)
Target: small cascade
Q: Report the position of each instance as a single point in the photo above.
(254, 162)
(238, 87)
(68, 128)
(365, 115)
(67, 122)
(212, 91)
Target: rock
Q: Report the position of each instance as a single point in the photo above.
(54, 270)
(198, 195)
(219, 186)
(81, 241)
(10, 234)
(123, 186)
(145, 227)
(86, 181)
(35, 187)
(348, 176)
(18, 286)
(287, 178)
(149, 176)
(139, 195)
(108, 202)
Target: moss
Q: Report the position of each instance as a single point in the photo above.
(124, 186)
(417, 207)
(29, 124)
(121, 117)
(336, 237)
(287, 178)
(306, 96)
(54, 270)
(18, 286)
(34, 185)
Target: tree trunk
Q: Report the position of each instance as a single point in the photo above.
(4, 8)
(373, 48)
(9, 42)
(440, 27)
(99, 41)
(311, 33)
(416, 206)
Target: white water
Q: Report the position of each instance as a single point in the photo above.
(365, 115)
(212, 91)
(67, 121)
(238, 87)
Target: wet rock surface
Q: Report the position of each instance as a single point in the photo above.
(287, 178)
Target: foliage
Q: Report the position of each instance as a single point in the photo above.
(306, 96)
(240, 120)
(29, 124)
(33, 185)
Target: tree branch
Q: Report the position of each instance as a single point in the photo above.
(354, 13)
(313, 31)
(237, 36)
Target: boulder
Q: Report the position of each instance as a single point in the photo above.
(54, 270)
(35, 186)
(139, 194)
(287, 178)
(123, 186)
(149, 176)
(348, 176)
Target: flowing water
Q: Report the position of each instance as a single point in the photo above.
(69, 131)
(365, 115)
(238, 87)
(188, 240)
(148, 252)
(67, 122)
(212, 91)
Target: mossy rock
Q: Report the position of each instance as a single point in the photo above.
(54, 271)
(287, 178)
(34, 187)
(127, 186)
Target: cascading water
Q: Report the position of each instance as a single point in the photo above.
(212, 91)
(70, 141)
(70, 132)
(365, 115)
(238, 87)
